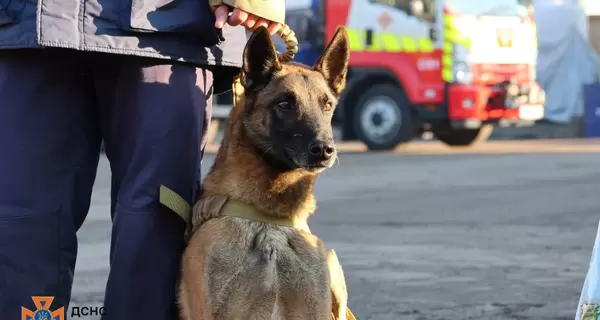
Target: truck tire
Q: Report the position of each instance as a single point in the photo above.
(464, 137)
(382, 118)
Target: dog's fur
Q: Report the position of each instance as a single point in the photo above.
(271, 154)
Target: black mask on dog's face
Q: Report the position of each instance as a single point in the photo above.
(289, 106)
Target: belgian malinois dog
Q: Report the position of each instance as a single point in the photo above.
(276, 143)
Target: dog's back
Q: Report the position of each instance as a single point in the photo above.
(276, 143)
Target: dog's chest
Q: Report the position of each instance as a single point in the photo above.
(277, 314)
(297, 259)
(283, 245)
(286, 267)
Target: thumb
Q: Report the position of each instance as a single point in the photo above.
(221, 15)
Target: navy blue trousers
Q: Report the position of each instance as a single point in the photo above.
(56, 107)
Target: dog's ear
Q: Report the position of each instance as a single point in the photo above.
(260, 58)
(333, 63)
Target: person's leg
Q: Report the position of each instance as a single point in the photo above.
(49, 145)
(154, 119)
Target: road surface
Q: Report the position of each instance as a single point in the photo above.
(437, 234)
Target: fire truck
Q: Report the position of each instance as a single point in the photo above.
(454, 68)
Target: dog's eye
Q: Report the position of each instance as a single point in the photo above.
(283, 105)
(328, 106)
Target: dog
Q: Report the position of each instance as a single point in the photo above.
(278, 139)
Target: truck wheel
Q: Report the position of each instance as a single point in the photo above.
(382, 117)
(464, 137)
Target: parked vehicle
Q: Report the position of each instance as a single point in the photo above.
(455, 68)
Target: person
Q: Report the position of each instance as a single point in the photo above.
(140, 76)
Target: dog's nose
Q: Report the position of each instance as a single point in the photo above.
(322, 148)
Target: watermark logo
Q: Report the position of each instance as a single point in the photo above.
(42, 311)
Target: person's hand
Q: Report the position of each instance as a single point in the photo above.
(240, 17)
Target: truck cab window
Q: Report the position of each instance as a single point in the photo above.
(422, 9)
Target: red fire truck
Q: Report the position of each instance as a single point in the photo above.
(455, 68)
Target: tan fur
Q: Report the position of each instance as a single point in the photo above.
(237, 269)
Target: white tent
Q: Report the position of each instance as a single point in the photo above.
(566, 61)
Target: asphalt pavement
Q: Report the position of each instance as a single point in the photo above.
(440, 234)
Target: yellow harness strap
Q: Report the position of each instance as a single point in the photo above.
(237, 209)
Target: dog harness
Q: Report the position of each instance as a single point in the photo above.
(222, 206)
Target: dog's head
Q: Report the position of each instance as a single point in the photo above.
(289, 106)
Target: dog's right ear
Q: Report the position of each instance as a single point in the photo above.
(260, 59)
(333, 63)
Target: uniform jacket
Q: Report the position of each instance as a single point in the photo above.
(181, 30)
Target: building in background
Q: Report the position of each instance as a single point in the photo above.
(592, 10)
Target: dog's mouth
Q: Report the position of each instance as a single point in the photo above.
(317, 168)
(303, 162)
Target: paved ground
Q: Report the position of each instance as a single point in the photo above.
(429, 234)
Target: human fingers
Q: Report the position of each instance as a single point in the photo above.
(221, 13)
(261, 23)
(250, 21)
(237, 17)
(273, 27)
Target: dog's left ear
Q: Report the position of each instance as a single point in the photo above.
(260, 59)
(333, 63)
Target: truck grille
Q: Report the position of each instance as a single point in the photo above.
(490, 74)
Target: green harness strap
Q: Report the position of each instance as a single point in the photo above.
(232, 208)
(177, 204)
(239, 209)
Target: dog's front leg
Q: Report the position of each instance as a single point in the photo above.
(339, 293)
(193, 300)
(192, 306)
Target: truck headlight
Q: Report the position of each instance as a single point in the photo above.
(461, 67)
(462, 73)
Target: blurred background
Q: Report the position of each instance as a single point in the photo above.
(468, 181)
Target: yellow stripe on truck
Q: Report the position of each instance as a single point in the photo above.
(448, 20)
(391, 42)
(356, 43)
(446, 61)
(425, 45)
(447, 48)
(388, 42)
(408, 44)
(451, 36)
(447, 75)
